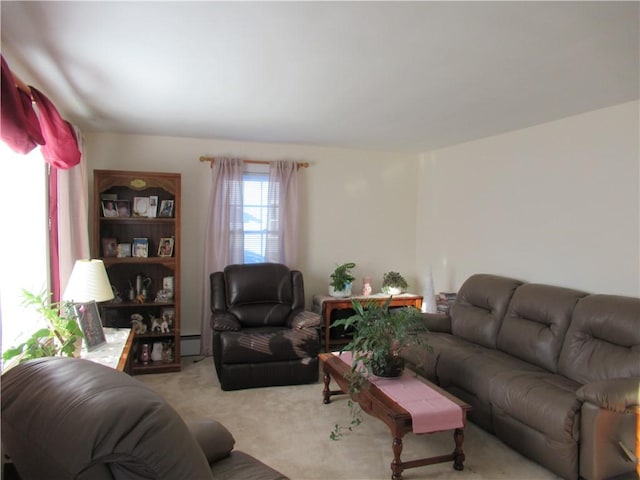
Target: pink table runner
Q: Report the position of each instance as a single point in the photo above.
(430, 411)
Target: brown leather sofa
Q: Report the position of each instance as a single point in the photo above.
(262, 335)
(553, 372)
(68, 418)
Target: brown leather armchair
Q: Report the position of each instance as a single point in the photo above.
(69, 418)
(262, 335)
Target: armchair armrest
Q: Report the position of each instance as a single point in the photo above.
(304, 319)
(620, 395)
(223, 321)
(438, 322)
(213, 437)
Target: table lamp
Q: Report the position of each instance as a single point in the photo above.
(88, 281)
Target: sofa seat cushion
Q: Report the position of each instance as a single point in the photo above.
(543, 401)
(424, 359)
(471, 368)
(268, 344)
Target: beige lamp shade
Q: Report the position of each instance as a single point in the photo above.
(88, 281)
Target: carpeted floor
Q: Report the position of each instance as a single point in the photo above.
(288, 428)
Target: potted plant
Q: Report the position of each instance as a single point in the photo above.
(341, 280)
(58, 337)
(393, 283)
(379, 335)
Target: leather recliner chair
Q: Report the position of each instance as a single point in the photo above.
(262, 334)
(69, 418)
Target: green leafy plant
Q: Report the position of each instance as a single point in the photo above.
(379, 335)
(57, 338)
(393, 280)
(341, 276)
(340, 431)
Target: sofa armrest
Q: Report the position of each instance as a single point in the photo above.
(304, 319)
(213, 437)
(224, 321)
(620, 395)
(438, 322)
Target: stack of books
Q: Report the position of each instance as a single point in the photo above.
(444, 300)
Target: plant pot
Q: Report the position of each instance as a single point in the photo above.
(393, 367)
(394, 290)
(340, 293)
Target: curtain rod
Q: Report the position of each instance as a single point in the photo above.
(259, 162)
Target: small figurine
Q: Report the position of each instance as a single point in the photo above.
(164, 325)
(137, 324)
(155, 324)
(366, 286)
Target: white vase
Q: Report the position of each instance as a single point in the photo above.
(346, 292)
(394, 290)
(156, 352)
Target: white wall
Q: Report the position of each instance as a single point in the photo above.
(557, 203)
(357, 206)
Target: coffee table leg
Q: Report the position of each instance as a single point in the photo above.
(396, 465)
(326, 392)
(458, 453)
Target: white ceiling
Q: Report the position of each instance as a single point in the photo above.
(397, 76)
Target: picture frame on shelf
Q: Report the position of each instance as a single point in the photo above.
(140, 248)
(153, 206)
(124, 250)
(90, 323)
(123, 207)
(165, 248)
(166, 209)
(141, 206)
(109, 247)
(109, 209)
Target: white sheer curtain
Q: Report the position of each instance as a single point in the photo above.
(73, 216)
(224, 234)
(282, 214)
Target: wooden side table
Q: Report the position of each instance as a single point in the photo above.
(325, 305)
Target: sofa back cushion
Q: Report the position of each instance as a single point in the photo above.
(262, 294)
(603, 340)
(480, 306)
(536, 322)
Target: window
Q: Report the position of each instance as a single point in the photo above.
(24, 242)
(255, 188)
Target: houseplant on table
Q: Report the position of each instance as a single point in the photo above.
(393, 283)
(379, 335)
(341, 280)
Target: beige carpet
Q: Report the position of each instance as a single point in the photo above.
(288, 428)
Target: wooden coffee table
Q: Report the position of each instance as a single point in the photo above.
(378, 404)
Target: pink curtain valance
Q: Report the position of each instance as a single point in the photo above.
(61, 146)
(20, 125)
(22, 128)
